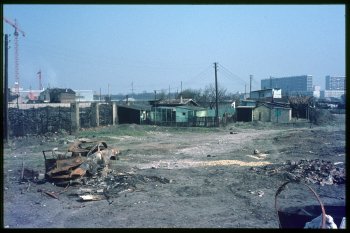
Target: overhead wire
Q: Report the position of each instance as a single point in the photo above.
(230, 74)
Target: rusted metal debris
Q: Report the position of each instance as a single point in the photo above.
(311, 171)
(86, 163)
(86, 158)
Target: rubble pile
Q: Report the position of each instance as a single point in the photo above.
(86, 163)
(311, 171)
(114, 184)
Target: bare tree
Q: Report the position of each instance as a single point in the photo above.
(300, 105)
(190, 94)
(209, 96)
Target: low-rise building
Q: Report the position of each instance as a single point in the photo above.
(269, 112)
(275, 93)
(57, 95)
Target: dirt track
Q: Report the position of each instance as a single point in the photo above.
(211, 180)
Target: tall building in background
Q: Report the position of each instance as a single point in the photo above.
(335, 82)
(293, 85)
(335, 86)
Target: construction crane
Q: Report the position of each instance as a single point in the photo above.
(16, 33)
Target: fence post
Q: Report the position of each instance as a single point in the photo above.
(75, 120)
(114, 114)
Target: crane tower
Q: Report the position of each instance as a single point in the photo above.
(16, 33)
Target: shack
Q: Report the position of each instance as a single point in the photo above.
(178, 115)
(269, 112)
(245, 113)
(134, 114)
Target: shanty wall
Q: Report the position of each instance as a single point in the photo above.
(56, 118)
(281, 115)
(262, 113)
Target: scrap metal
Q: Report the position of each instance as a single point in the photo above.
(87, 157)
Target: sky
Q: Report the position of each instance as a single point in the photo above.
(120, 49)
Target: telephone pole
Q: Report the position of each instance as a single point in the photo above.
(109, 96)
(270, 82)
(216, 96)
(132, 89)
(250, 86)
(169, 94)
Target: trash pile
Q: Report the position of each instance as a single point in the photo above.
(114, 184)
(87, 164)
(311, 171)
(87, 157)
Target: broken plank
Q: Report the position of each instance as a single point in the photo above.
(51, 194)
(91, 197)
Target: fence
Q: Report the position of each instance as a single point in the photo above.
(34, 119)
(192, 122)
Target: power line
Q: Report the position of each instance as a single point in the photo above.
(231, 74)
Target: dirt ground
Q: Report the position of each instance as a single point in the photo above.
(210, 177)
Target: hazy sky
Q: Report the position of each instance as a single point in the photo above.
(157, 46)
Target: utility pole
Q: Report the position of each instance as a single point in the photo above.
(109, 96)
(216, 95)
(6, 118)
(100, 94)
(169, 94)
(250, 86)
(181, 94)
(132, 89)
(155, 107)
(270, 82)
(245, 90)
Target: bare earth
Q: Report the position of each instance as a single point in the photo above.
(211, 183)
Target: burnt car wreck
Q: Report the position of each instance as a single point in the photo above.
(84, 158)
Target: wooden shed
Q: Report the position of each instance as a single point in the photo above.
(281, 115)
(272, 113)
(262, 113)
(244, 113)
(133, 114)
